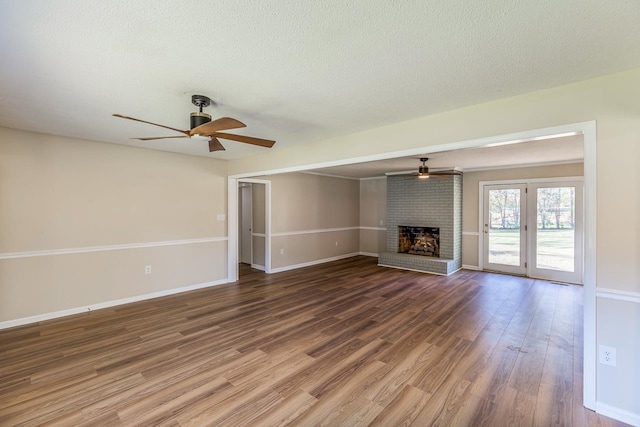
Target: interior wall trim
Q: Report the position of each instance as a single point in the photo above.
(618, 414)
(371, 254)
(87, 249)
(315, 262)
(106, 304)
(618, 295)
(471, 267)
(470, 233)
(373, 228)
(314, 231)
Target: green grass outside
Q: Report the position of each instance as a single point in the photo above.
(554, 251)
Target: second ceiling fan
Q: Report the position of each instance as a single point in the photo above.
(202, 127)
(423, 171)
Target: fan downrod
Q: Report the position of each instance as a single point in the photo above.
(423, 169)
(200, 118)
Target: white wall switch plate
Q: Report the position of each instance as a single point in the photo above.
(221, 217)
(147, 269)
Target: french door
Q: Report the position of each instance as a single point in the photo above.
(555, 246)
(504, 229)
(534, 229)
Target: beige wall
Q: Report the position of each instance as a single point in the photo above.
(470, 197)
(60, 193)
(312, 204)
(302, 201)
(610, 101)
(373, 214)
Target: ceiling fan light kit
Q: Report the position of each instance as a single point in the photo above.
(203, 128)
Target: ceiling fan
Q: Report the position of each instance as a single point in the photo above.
(423, 171)
(203, 128)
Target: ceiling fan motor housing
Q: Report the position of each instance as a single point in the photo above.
(423, 170)
(198, 119)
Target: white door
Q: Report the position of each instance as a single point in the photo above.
(245, 225)
(504, 228)
(534, 229)
(555, 244)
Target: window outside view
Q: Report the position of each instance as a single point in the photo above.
(504, 227)
(555, 227)
(555, 211)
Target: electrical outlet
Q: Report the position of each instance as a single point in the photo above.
(281, 251)
(336, 243)
(607, 355)
(147, 269)
(382, 222)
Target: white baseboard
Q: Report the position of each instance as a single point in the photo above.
(316, 262)
(415, 269)
(618, 414)
(107, 304)
(471, 267)
(371, 254)
(258, 267)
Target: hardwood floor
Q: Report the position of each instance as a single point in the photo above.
(343, 343)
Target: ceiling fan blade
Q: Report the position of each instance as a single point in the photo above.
(246, 139)
(151, 138)
(151, 123)
(223, 123)
(449, 172)
(215, 145)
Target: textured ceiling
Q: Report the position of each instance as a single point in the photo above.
(294, 71)
(567, 149)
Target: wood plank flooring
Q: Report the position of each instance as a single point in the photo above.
(344, 343)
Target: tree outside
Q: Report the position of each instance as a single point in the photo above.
(555, 219)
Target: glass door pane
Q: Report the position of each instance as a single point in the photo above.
(556, 241)
(504, 237)
(555, 214)
(504, 226)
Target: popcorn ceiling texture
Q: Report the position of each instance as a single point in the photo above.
(293, 71)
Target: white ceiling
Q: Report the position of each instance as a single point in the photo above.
(294, 71)
(567, 149)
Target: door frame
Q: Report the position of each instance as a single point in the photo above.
(233, 255)
(560, 276)
(510, 269)
(242, 206)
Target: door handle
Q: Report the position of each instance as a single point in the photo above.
(486, 228)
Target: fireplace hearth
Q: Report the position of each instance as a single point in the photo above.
(424, 241)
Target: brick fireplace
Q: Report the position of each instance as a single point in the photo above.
(424, 206)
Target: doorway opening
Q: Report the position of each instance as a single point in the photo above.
(252, 216)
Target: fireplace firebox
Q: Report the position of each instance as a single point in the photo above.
(423, 241)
